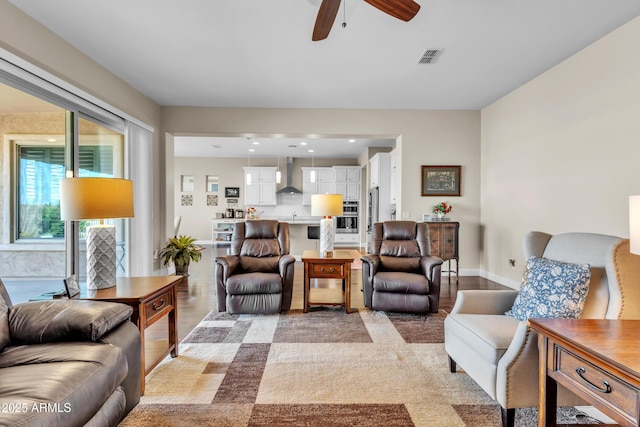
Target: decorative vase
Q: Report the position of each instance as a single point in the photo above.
(440, 215)
(182, 270)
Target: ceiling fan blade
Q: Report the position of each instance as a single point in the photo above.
(401, 9)
(324, 20)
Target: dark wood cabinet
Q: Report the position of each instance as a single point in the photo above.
(444, 242)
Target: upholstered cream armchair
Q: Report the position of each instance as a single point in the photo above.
(257, 277)
(500, 352)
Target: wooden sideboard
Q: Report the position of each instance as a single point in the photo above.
(444, 242)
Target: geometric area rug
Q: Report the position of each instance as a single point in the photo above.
(321, 368)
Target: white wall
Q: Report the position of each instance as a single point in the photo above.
(561, 153)
(427, 138)
(26, 38)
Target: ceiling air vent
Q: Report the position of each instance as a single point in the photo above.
(430, 56)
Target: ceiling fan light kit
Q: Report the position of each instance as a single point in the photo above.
(404, 10)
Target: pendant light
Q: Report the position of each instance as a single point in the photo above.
(312, 175)
(248, 176)
(278, 173)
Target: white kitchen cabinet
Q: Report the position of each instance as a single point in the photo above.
(347, 239)
(379, 170)
(323, 183)
(262, 190)
(347, 182)
(374, 171)
(380, 178)
(392, 175)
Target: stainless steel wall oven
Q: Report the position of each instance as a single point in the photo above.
(348, 222)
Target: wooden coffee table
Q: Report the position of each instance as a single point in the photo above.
(151, 298)
(337, 266)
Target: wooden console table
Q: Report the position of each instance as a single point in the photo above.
(596, 359)
(151, 298)
(336, 267)
(444, 242)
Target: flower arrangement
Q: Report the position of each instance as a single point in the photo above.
(442, 208)
(251, 213)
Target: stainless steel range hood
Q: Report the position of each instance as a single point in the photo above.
(289, 188)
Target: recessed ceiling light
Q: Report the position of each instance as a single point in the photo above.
(310, 151)
(256, 143)
(352, 140)
(303, 143)
(251, 149)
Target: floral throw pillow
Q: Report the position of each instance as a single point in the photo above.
(551, 289)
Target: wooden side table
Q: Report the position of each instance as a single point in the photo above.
(444, 243)
(596, 359)
(151, 298)
(336, 267)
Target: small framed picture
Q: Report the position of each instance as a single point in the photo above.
(72, 287)
(426, 217)
(231, 192)
(441, 180)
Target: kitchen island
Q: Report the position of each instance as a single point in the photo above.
(298, 240)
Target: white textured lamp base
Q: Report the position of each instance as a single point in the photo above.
(101, 257)
(326, 236)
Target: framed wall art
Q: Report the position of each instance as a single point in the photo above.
(212, 183)
(231, 192)
(441, 180)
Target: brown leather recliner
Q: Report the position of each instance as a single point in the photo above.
(400, 274)
(258, 275)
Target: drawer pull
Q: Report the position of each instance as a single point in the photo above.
(158, 307)
(331, 269)
(606, 389)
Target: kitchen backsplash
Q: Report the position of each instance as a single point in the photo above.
(288, 204)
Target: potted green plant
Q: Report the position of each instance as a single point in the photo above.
(181, 251)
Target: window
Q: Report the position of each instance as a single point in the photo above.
(40, 169)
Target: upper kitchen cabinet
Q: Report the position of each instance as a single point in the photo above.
(392, 175)
(347, 182)
(323, 183)
(379, 169)
(262, 189)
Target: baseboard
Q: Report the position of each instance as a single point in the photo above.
(514, 284)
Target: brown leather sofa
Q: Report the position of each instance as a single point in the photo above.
(399, 274)
(67, 363)
(258, 275)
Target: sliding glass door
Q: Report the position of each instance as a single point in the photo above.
(41, 144)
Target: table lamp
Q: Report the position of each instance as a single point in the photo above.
(97, 198)
(634, 224)
(326, 205)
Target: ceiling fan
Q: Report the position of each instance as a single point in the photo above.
(401, 9)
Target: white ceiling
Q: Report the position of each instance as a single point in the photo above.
(259, 53)
(342, 148)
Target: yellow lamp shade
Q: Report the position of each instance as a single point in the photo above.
(326, 204)
(95, 198)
